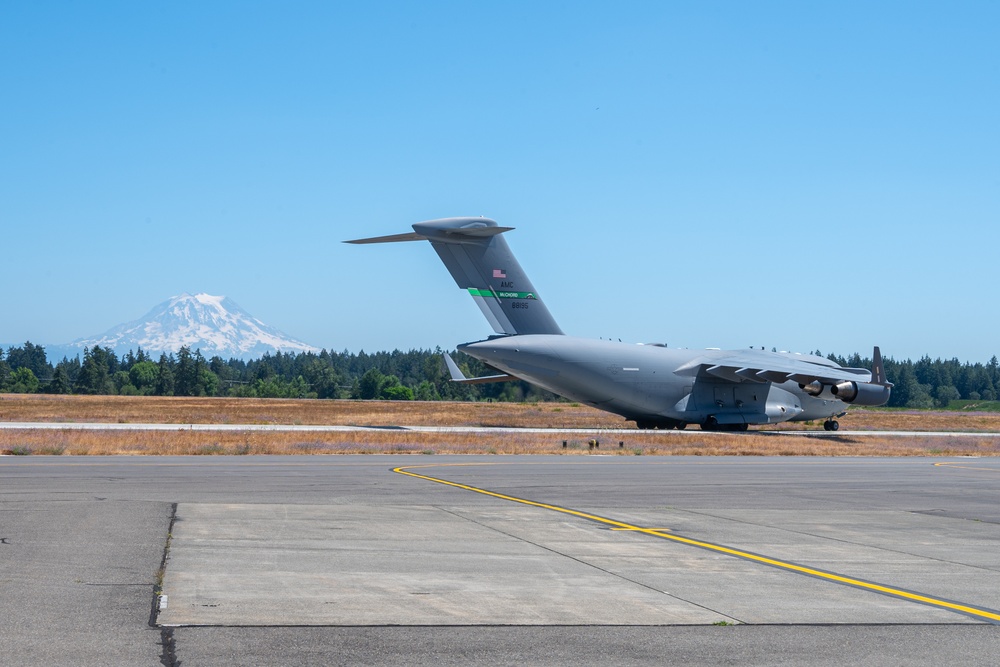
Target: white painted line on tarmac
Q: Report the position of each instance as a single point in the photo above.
(95, 426)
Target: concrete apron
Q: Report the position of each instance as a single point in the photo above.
(354, 565)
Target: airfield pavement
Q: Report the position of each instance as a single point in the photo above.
(487, 560)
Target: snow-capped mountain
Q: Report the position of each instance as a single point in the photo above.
(214, 324)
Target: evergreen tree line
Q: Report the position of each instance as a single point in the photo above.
(396, 375)
(413, 375)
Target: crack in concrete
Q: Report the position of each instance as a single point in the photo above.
(587, 564)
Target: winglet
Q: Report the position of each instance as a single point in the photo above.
(458, 376)
(878, 369)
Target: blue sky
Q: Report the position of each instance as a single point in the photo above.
(706, 174)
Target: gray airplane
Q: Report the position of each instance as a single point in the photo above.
(653, 385)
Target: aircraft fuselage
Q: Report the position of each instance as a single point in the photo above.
(642, 382)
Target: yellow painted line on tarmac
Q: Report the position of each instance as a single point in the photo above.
(955, 464)
(654, 530)
(982, 613)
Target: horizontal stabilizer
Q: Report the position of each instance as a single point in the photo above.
(477, 232)
(458, 376)
(392, 238)
(471, 232)
(478, 258)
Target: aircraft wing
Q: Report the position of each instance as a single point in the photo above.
(760, 366)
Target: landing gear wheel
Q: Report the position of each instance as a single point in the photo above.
(831, 425)
(743, 427)
(710, 424)
(680, 426)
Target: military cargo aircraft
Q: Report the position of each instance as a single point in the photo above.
(656, 386)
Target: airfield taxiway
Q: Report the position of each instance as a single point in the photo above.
(499, 560)
(470, 430)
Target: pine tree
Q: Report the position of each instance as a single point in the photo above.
(60, 381)
(370, 384)
(165, 376)
(186, 375)
(95, 373)
(29, 356)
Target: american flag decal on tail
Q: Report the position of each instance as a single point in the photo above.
(499, 273)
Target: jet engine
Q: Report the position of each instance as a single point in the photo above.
(861, 394)
(814, 388)
(818, 390)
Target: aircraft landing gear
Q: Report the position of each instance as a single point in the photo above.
(660, 425)
(831, 425)
(712, 424)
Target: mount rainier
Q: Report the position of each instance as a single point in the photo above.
(216, 325)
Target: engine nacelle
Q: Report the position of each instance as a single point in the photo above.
(814, 388)
(861, 394)
(817, 389)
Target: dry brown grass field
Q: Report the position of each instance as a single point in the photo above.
(766, 441)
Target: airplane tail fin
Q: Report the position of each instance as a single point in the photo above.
(477, 255)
